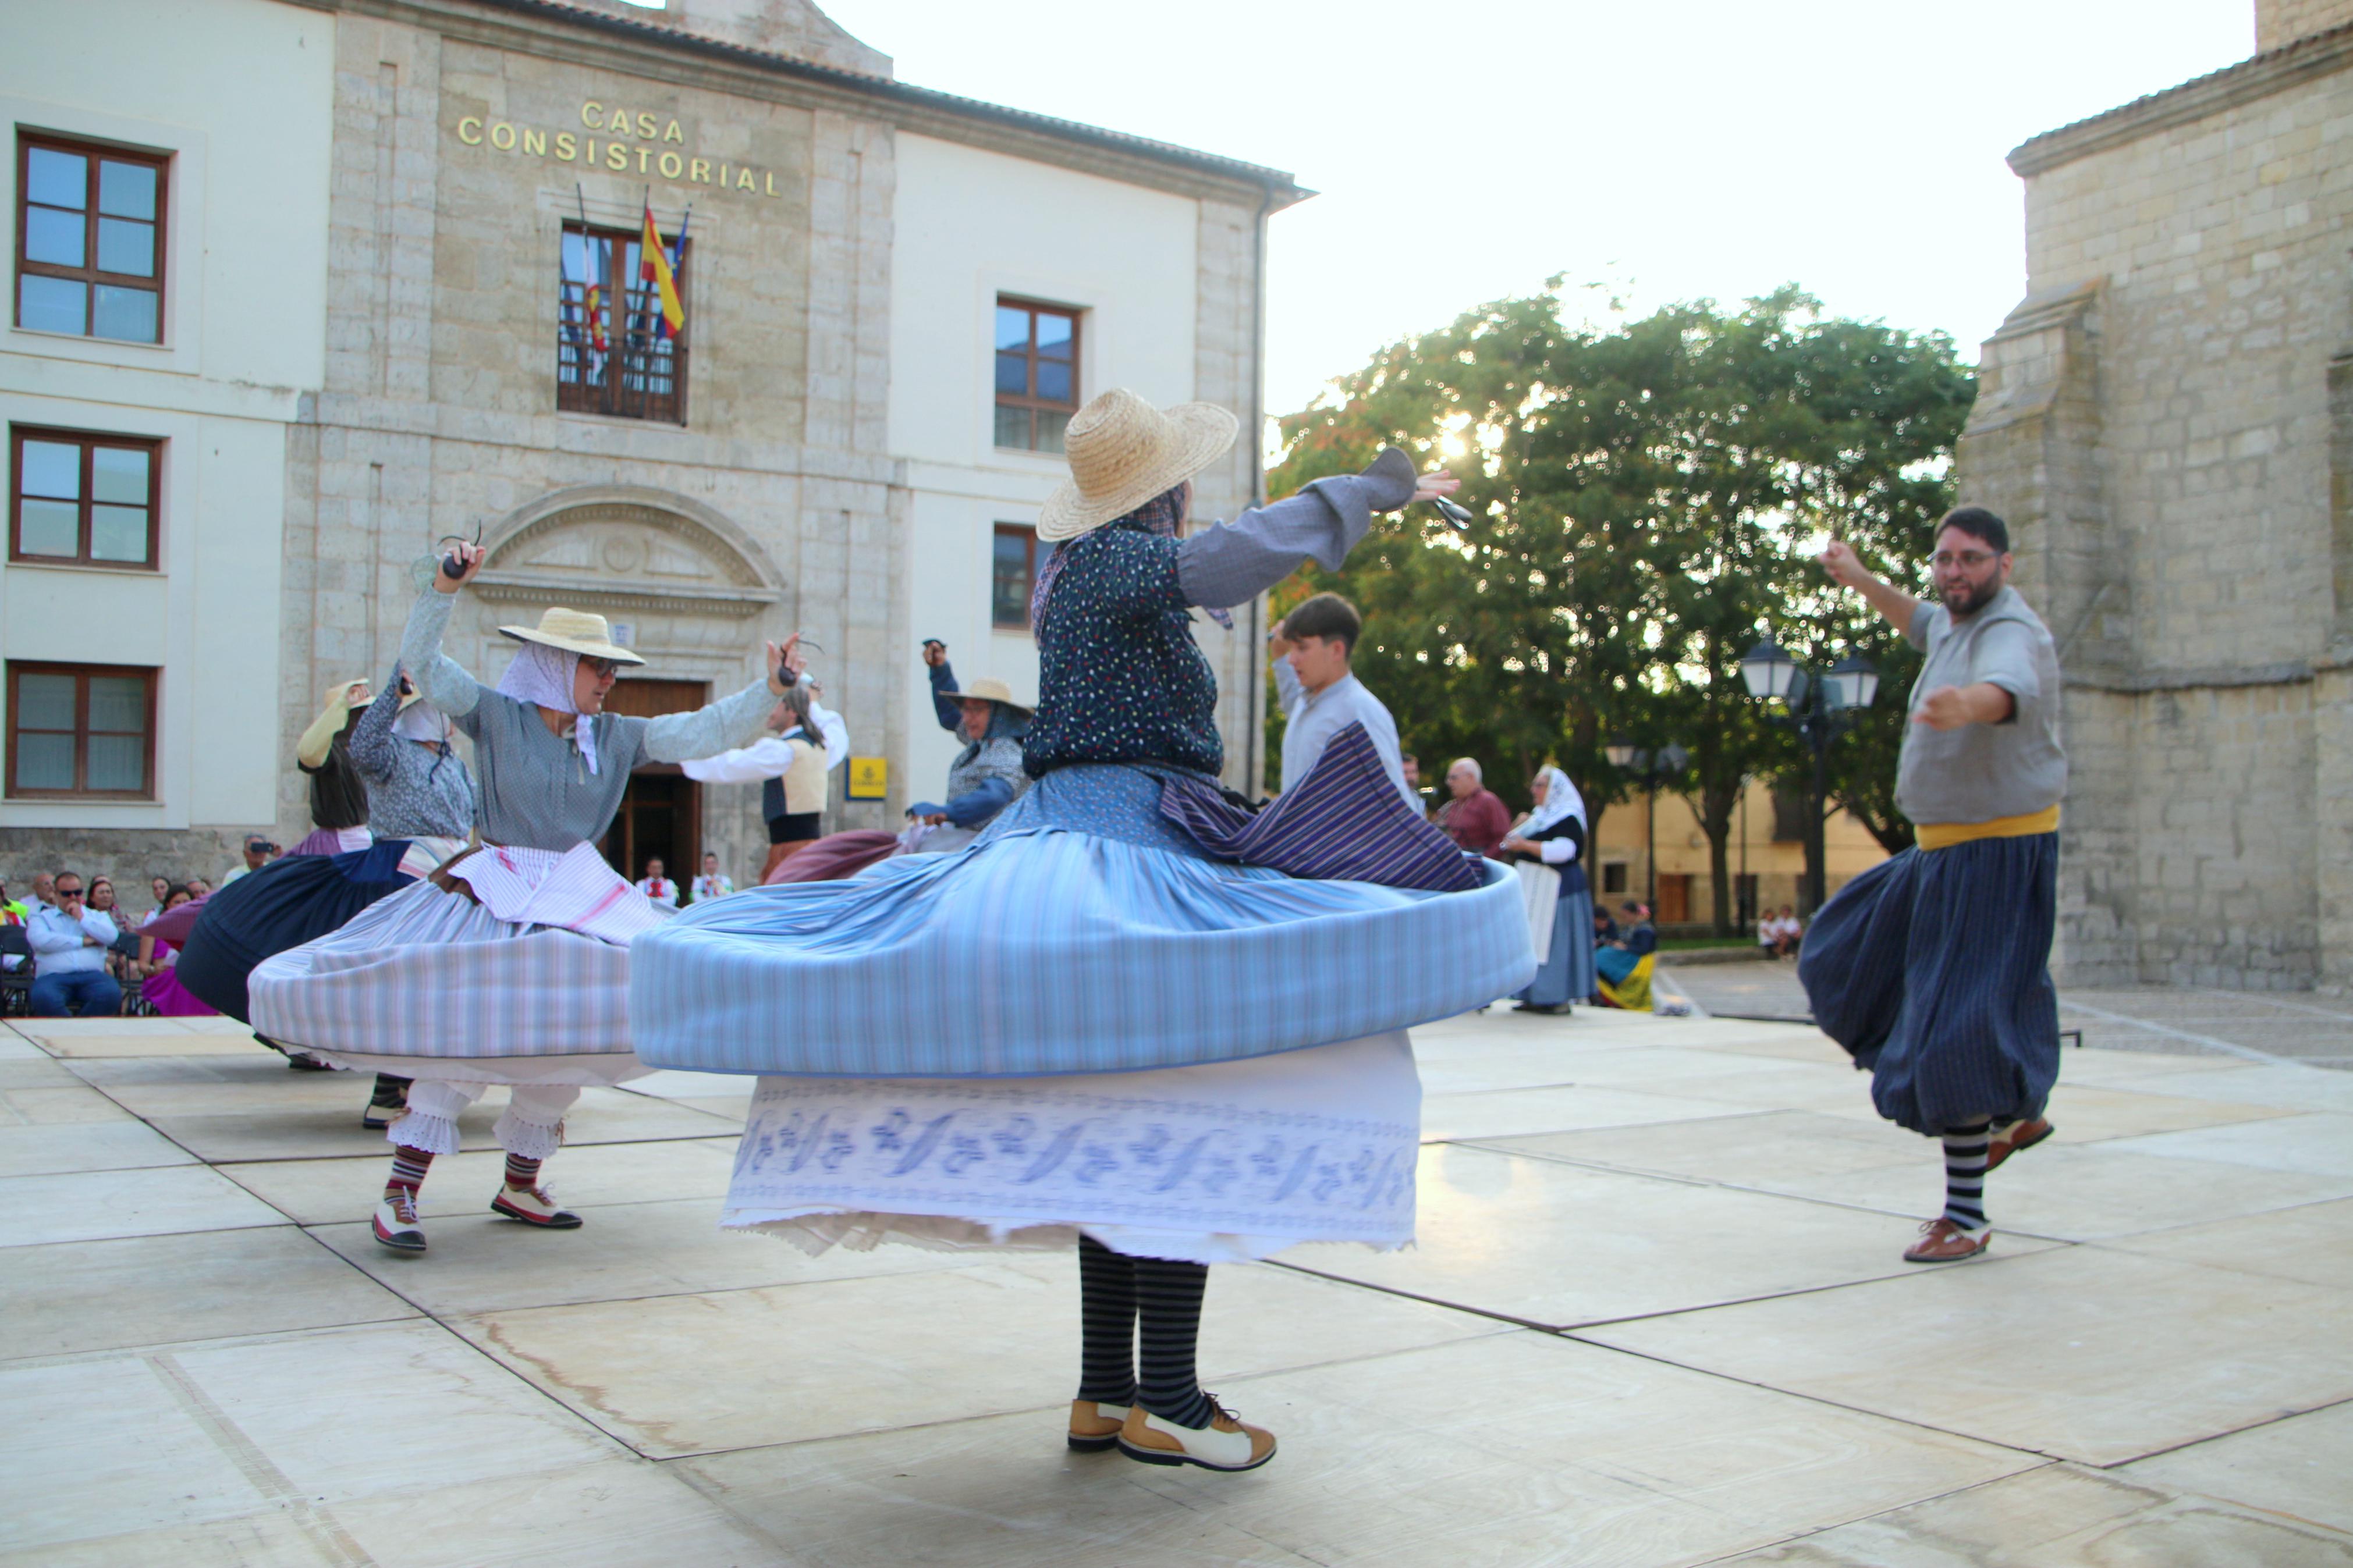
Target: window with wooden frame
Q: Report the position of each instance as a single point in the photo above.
(80, 500)
(1013, 572)
(81, 730)
(89, 238)
(1037, 374)
(612, 354)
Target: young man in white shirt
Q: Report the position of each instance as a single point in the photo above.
(1321, 696)
(657, 886)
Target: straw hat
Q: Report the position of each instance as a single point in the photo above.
(1123, 452)
(985, 689)
(575, 631)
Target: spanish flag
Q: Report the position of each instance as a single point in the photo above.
(654, 269)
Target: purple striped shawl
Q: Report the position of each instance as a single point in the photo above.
(1343, 822)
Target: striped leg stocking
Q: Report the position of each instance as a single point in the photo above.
(1168, 1317)
(409, 1168)
(1106, 1324)
(522, 1175)
(1965, 1169)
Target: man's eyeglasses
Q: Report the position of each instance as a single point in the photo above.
(69, 892)
(1969, 560)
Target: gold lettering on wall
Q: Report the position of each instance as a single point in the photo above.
(641, 126)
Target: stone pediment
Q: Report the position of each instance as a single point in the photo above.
(627, 551)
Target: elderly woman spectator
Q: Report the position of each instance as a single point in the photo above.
(986, 775)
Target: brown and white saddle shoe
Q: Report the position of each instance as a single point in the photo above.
(533, 1207)
(1942, 1241)
(1094, 1426)
(1225, 1443)
(2015, 1139)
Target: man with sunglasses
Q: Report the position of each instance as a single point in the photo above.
(1932, 968)
(69, 942)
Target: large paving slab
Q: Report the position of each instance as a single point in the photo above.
(2082, 1354)
(330, 1192)
(1510, 1449)
(2062, 1517)
(1539, 1241)
(79, 1296)
(90, 1206)
(2313, 1245)
(992, 1337)
(2301, 1468)
(271, 1128)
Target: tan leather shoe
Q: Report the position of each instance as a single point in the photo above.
(1225, 1443)
(1094, 1426)
(2014, 1137)
(1942, 1241)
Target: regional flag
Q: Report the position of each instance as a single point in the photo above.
(654, 269)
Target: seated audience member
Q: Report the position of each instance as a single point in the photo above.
(1790, 934)
(1605, 930)
(711, 884)
(71, 944)
(656, 884)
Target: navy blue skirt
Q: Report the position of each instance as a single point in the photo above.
(293, 900)
(1933, 969)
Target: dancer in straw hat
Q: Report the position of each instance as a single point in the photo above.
(1083, 1026)
(509, 964)
(985, 776)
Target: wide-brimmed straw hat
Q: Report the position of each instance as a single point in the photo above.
(985, 689)
(575, 631)
(1123, 452)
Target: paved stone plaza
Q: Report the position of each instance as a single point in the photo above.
(1656, 1317)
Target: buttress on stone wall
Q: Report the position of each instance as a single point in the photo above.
(2167, 422)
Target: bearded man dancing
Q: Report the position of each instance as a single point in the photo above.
(1932, 968)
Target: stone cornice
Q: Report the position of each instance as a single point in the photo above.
(2322, 54)
(2288, 672)
(522, 588)
(601, 41)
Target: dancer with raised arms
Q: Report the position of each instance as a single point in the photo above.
(1089, 1024)
(509, 964)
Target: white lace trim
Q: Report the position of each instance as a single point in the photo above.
(527, 1139)
(415, 1129)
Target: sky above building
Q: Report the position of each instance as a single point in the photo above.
(1661, 151)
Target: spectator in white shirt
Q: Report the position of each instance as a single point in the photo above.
(70, 946)
(657, 887)
(259, 852)
(711, 884)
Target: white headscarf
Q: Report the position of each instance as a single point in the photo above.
(420, 720)
(1560, 800)
(543, 676)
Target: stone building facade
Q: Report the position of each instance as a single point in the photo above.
(2166, 421)
(832, 470)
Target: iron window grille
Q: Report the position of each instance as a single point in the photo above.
(637, 373)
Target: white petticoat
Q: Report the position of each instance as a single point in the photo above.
(1220, 1162)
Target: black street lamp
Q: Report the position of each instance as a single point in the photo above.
(1650, 767)
(1820, 707)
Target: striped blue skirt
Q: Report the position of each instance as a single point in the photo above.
(1933, 969)
(1082, 933)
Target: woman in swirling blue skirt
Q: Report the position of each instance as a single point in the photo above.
(1086, 1024)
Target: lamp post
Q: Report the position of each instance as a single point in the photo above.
(1650, 767)
(1820, 706)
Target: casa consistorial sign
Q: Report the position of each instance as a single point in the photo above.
(622, 140)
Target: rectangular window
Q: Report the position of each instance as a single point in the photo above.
(613, 353)
(1013, 572)
(82, 499)
(1789, 815)
(90, 239)
(81, 730)
(1613, 876)
(1037, 374)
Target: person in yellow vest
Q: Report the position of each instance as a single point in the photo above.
(1933, 969)
(791, 765)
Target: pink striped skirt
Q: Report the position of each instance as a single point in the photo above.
(429, 984)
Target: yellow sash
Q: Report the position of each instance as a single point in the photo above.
(1944, 834)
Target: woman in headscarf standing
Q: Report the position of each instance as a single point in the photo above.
(509, 964)
(1553, 835)
(1084, 1026)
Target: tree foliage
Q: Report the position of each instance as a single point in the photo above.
(1647, 498)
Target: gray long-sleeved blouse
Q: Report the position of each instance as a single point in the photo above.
(536, 791)
(412, 793)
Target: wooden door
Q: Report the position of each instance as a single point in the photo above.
(661, 810)
(1675, 898)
